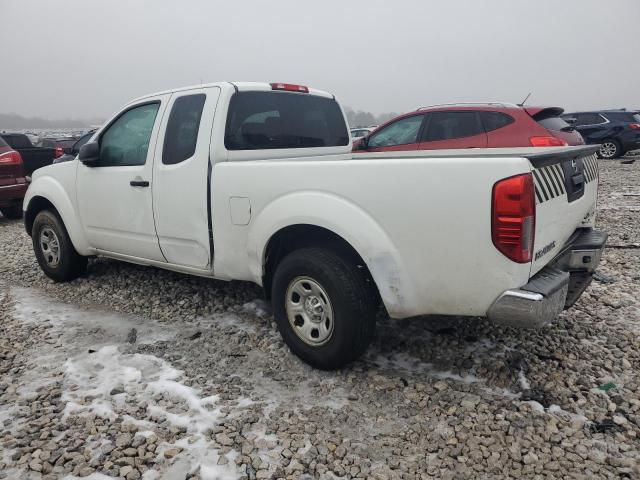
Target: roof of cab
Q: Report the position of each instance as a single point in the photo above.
(238, 86)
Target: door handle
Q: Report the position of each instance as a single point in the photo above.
(139, 183)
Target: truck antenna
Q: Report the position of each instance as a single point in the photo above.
(525, 100)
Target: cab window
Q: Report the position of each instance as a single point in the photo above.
(126, 140)
(182, 129)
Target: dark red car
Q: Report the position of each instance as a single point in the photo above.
(482, 125)
(13, 184)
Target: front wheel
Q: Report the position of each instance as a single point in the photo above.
(54, 251)
(324, 307)
(609, 149)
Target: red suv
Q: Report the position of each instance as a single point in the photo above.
(482, 125)
(13, 184)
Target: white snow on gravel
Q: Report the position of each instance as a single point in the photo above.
(411, 365)
(102, 366)
(522, 379)
(93, 476)
(146, 378)
(258, 307)
(33, 306)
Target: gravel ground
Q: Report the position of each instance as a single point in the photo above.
(142, 373)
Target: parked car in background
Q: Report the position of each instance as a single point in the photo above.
(75, 149)
(33, 138)
(480, 125)
(32, 157)
(617, 131)
(360, 132)
(61, 145)
(232, 181)
(13, 183)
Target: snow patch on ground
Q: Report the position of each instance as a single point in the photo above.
(104, 379)
(523, 381)
(91, 378)
(33, 306)
(408, 363)
(93, 476)
(412, 365)
(258, 307)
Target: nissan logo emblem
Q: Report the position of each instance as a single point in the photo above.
(574, 165)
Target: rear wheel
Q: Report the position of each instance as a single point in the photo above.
(12, 212)
(54, 251)
(324, 307)
(609, 149)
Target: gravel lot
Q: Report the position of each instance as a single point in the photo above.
(142, 373)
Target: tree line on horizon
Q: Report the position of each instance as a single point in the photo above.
(355, 118)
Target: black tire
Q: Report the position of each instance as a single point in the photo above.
(610, 149)
(70, 264)
(12, 212)
(352, 302)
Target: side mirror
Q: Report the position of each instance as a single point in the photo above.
(90, 154)
(363, 143)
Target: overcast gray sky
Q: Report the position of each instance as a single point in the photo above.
(79, 58)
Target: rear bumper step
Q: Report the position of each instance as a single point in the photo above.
(553, 289)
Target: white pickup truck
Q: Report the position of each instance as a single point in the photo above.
(257, 182)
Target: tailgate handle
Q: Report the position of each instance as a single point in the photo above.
(577, 180)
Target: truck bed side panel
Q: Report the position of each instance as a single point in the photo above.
(435, 213)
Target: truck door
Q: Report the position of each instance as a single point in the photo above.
(181, 167)
(114, 197)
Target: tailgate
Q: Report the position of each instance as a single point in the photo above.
(566, 189)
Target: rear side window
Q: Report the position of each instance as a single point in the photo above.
(495, 120)
(18, 141)
(67, 143)
(181, 134)
(3, 143)
(589, 119)
(621, 117)
(272, 120)
(450, 125)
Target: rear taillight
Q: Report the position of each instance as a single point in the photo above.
(11, 158)
(547, 142)
(59, 152)
(289, 87)
(513, 217)
(634, 126)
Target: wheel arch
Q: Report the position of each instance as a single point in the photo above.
(47, 194)
(322, 219)
(301, 235)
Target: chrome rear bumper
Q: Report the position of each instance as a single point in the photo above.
(555, 287)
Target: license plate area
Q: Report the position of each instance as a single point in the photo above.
(574, 180)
